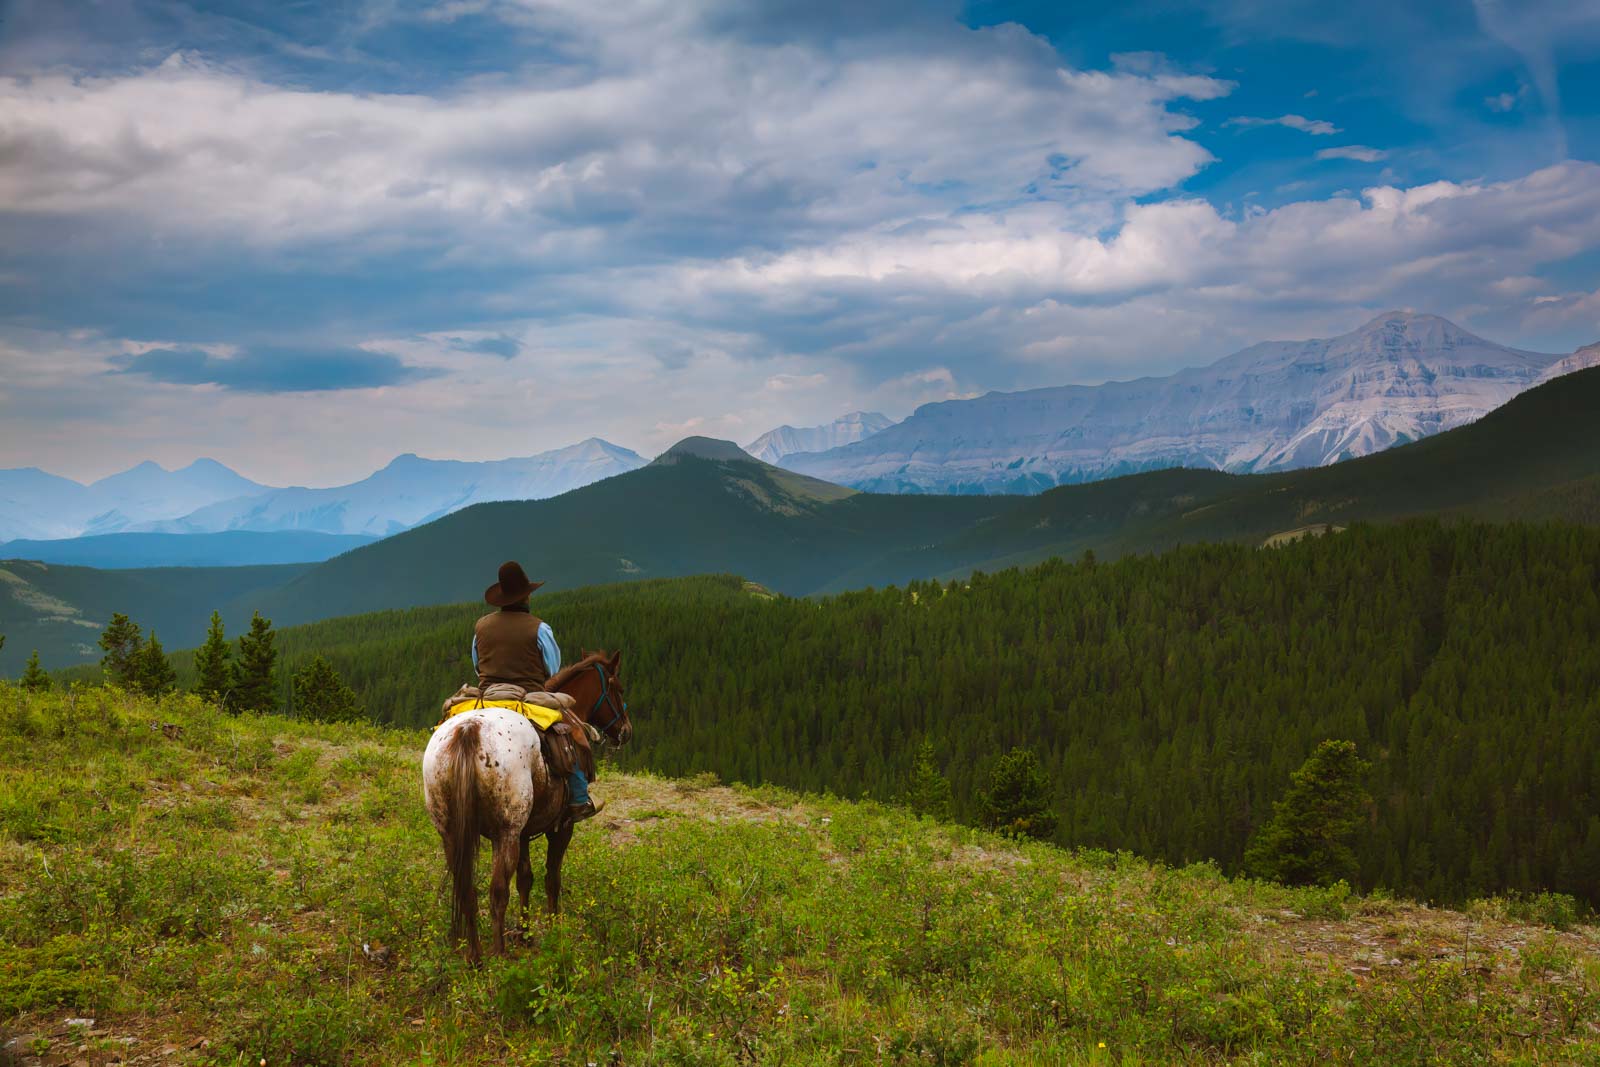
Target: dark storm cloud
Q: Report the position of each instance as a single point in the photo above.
(274, 370)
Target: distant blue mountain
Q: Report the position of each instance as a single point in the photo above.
(206, 497)
(234, 548)
(37, 505)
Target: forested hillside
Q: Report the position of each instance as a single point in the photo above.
(1538, 457)
(1169, 696)
(60, 610)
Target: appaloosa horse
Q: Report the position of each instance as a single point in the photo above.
(484, 775)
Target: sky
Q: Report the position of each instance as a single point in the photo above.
(304, 236)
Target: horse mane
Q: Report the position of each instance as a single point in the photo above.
(566, 674)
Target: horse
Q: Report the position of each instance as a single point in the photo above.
(483, 775)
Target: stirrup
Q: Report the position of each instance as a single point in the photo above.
(579, 812)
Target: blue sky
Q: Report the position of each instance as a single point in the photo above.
(303, 237)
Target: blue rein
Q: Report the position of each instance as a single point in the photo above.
(605, 692)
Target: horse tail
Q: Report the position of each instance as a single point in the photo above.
(461, 848)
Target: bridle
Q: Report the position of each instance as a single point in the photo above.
(605, 699)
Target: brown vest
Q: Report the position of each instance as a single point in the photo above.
(508, 650)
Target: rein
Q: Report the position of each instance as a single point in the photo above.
(604, 698)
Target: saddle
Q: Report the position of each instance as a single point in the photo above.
(552, 714)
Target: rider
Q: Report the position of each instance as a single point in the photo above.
(513, 645)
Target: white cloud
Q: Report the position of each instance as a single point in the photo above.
(1505, 102)
(1319, 127)
(1359, 152)
(686, 134)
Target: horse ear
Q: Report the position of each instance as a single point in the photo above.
(616, 660)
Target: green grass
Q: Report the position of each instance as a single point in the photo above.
(208, 887)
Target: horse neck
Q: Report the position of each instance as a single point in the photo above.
(584, 688)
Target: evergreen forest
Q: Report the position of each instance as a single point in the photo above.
(1168, 697)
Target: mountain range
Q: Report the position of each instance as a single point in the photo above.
(1279, 405)
(207, 497)
(708, 507)
(773, 445)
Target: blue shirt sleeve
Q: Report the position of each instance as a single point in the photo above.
(547, 644)
(474, 652)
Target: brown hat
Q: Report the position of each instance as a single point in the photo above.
(512, 588)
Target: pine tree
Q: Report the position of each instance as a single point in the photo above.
(213, 662)
(1018, 800)
(152, 672)
(321, 695)
(1307, 840)
(928, 792)
(34, 679)
(121, 642)
(254, 681)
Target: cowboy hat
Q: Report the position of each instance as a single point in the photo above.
(512, 588)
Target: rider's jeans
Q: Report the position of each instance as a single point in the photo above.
(578, 784)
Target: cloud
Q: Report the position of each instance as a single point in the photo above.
(643, 214)
(1318, 127)
(272, 370)
(1359, 152)
(502, 345)
(761, 142)
(1505, 102)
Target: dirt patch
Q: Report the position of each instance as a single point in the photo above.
(1408, 936)
(634, 802)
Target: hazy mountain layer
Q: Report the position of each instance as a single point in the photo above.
(773, 445)
(1275, 406)
(411, 491)
(34, 504)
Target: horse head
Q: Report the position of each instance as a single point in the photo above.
(596, 686)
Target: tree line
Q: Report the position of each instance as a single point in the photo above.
(245, 677)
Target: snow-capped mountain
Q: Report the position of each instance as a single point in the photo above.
(148, 492)
(1273, 406)
(773, 445)
(34, 504)
(1584, 358)
(410, 491)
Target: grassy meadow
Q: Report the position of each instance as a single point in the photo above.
(198, 888)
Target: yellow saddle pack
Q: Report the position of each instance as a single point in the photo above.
(543, 718)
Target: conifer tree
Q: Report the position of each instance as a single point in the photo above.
(254, 677)
(152, 671)
(34, 679)
(121, 642)
(321, 695)
(213, 662)
(1018, 799)
(929, 790)
(1307, 840)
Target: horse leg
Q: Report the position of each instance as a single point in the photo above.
(555, 848)
(524, 876)
(505, 861)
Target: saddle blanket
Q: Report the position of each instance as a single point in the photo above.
(543, 718)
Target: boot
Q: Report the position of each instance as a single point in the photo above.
(579, 812)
